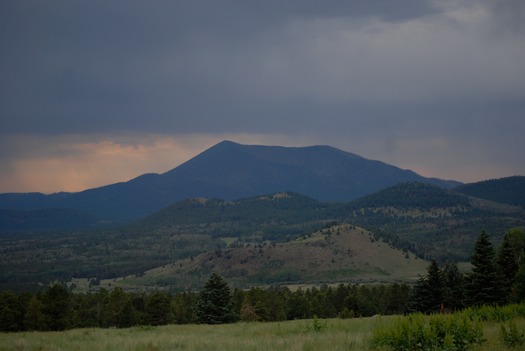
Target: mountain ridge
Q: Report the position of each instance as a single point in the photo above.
(228, 171)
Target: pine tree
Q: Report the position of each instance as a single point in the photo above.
(511, 259)
(34, 317)
(484, 282)
(508, 262)
(434, 283)
(56, 307)
(518, 292)
(10, 312)
(416, 301)
(215, 304)
(453, 287)
(158, 308)
(428, 294)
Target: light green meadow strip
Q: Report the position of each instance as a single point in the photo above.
(336, 334)
(291, 335)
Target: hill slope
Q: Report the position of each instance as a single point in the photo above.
(431, 221)
(231, 171)
(339, 253)
(509, 190)
(280, 216)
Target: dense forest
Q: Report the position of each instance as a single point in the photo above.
(497, 278)
(55, 308)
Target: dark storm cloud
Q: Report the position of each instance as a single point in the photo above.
(110, 65)
(509, 16)
(438, 84)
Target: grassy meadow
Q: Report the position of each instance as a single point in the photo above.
(332, 334)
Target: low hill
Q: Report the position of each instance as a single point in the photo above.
(510, 190)
(341, 253)
(431, 221)
(232, 171)
(280, 217)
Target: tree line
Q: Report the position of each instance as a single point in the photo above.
(56, 308)
(497, 277)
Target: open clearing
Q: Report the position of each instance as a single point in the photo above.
(333, 334)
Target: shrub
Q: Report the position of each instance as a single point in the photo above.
(511, 337)
(496, 313)
(437, 332)
(316, 326)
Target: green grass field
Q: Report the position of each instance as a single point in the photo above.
(333, 334)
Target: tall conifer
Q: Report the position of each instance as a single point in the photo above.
(453, 287)
(428, 294)
(484, 282)
(215, 304)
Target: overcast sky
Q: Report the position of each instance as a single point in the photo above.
(96, 92)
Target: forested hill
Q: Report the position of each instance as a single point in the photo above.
(431, 221)
(510, 190)
(412, 195)
(279, 216)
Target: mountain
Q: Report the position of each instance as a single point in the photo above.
(231, 171)
(509, 190)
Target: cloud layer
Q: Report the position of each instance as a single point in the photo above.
(434, 85)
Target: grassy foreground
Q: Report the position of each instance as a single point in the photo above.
(333, 334)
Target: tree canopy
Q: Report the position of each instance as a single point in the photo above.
(215, 304)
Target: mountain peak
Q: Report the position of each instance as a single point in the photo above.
(231, 171)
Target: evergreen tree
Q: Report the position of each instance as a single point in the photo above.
(518, 292)
(434, 288)
(10, 312)
(298, 306)
(182, 308)
(453, 287)
(484, 282)
(158, 308)
(509, 264)
(276, 302)
(395, 299)
(119, 310)
(34, 317)
(56, 307)
(215, 304)
(511, 259)
(427, 296)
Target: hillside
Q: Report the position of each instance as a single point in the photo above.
(280, 216)
(431, 221)
(231, 171)
(427, 220)
(341, 253)
(509, 190)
